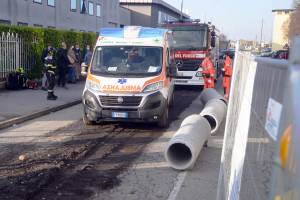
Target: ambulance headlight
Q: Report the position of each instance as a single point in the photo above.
(153, 87)
(90, 85)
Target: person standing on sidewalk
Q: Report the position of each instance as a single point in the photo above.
(88, 55)
(71, 67)
(208, 71)
(227, 73)
(50, 68)
(78, 61)
(44, 55)
(62, 64)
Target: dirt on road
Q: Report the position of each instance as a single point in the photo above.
(78, 161)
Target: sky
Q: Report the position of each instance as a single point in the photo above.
(237, 19)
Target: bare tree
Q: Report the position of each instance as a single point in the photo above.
(294, 25)
(295, 3)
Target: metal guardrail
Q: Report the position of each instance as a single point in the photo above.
(254, 127)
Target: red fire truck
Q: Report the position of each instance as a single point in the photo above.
(190, 41)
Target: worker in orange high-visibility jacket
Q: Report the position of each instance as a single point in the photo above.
(227, 73)
(208, 71)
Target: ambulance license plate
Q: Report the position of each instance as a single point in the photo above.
(119, 114)
(180, 81)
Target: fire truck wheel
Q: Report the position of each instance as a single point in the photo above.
(164, 120)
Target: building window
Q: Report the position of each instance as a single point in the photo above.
(51, 3)
(73, 5)
(91, 8)
(37, 25)
(163, 17)
(82, 7)
(6, 22)
(98, 10)
(22, 24)
(37, 1)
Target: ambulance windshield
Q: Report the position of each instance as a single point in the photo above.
(127, 60)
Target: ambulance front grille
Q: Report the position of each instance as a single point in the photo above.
(120, 100)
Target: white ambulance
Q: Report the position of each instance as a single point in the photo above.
(130, 77)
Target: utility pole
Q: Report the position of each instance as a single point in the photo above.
(261, 34)
(255, 40)
(181, 12)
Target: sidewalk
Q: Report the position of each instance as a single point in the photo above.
(22, 105)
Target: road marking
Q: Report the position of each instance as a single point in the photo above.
(180, 178)
(151, 165)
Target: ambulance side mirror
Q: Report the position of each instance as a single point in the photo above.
(172, 71)
(84, 69)
(171, 67)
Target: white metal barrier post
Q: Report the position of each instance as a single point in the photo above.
(252, 127)
(286, 174)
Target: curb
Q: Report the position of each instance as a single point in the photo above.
(17, 120)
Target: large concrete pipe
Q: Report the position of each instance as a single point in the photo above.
(215, 112)
(183, 149)
(209, 94)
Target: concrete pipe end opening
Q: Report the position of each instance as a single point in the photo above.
(179, 155)
(212, 122)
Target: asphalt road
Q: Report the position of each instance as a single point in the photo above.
(63, 159)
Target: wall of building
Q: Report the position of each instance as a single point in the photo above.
(279, 39)
(160, 14)
(140, 14)
(111, 13)
(125, 17)
(61, 16)
(150, 15)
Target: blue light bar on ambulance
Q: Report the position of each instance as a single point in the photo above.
(112, 32)
(133, 32)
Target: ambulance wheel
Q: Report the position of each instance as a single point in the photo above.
(164, 120)
(172, 100)
(86, 120)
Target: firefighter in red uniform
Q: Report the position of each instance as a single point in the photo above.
(227, 72)
(208, 72)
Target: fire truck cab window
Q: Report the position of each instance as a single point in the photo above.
(186, 39)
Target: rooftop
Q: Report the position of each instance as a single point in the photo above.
(158, 2)
(283, 10)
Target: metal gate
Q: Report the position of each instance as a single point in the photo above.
(14, 52)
